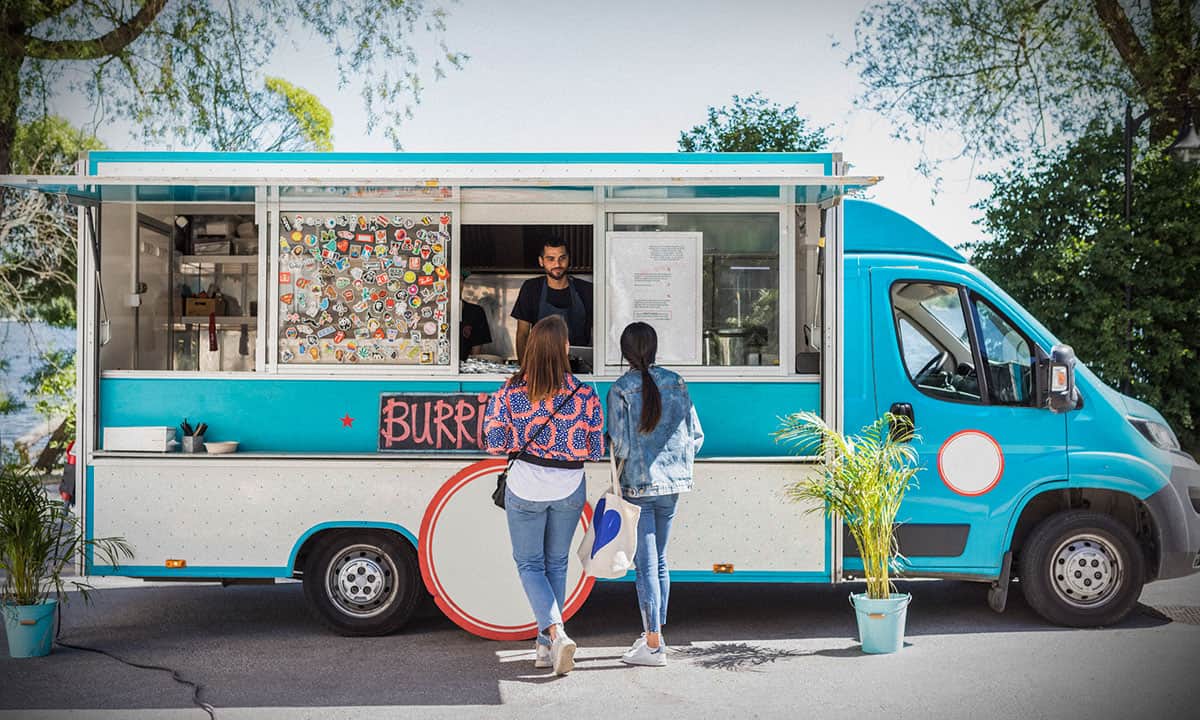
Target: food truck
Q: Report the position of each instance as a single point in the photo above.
(274, 385)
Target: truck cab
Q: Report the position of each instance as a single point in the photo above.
(1032, 467)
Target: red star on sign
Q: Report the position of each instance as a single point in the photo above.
(347, 421)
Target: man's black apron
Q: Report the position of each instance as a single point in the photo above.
(574, 316)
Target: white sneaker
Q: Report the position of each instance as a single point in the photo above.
(641, 642)
(542, 659)
(636, 644)
(643, 655)
(562, 651)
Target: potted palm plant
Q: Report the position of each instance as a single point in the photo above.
(39, 538)
(863, 479)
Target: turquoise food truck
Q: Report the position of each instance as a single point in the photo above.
(276, 383)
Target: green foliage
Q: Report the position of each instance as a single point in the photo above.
(861, 478)
(312, 126)
(1007, 75)
(38, 231)
(52, 387)
(191, 73)
(754, 124)
(1060, 246)
(50, 145)
(39, 538)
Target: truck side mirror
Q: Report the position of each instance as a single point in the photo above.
(1056, 380)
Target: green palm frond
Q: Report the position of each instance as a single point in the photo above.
(861, 478)
(39, 538)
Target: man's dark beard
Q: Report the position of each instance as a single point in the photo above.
(556, 273)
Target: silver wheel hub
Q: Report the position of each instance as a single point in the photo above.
(361, 580)
(1085, 571)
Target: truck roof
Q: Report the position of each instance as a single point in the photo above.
(872, 228)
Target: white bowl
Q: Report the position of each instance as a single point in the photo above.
(221, 448)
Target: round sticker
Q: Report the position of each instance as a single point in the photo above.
(970, 462)
(430, 328)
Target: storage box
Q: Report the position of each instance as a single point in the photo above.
(219, 246)
(203, 306)
(218, 227)
(139, 439)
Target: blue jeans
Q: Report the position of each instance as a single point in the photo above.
(650, 561)
(541, 533)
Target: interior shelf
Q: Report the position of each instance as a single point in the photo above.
(219, 259)
(220, 320)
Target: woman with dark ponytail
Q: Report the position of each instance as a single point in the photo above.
(656, 433)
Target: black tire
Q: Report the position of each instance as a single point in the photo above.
(385, 598)
(1082, 569)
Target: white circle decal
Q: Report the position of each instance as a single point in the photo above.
(970, 462)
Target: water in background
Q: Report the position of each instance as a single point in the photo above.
(22, 346)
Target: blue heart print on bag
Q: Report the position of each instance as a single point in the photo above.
(608, 526)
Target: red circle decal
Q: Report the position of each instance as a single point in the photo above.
(475, 625)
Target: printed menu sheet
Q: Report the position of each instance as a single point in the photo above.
(365, 289)
(655, 277)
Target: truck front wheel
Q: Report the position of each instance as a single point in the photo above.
(362, 583)
(1082, 569)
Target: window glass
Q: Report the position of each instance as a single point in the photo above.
(739, 280)
(1008, 356)
(934, 343)
(366, 288)
(916, 349)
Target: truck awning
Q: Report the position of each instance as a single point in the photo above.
(166, 175)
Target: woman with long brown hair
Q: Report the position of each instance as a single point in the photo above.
(548, 422)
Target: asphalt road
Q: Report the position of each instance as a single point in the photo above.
(737, 651)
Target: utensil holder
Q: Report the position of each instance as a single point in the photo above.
(193, 444)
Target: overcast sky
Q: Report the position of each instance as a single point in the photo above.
(629, 76)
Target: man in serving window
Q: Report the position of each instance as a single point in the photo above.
(555, 293)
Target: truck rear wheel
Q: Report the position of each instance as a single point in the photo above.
(1082, 569)
(362, 583)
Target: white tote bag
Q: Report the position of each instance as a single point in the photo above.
(611, 540)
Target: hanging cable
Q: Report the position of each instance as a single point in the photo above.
(197, 688)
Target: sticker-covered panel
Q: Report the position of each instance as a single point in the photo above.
(364, 289)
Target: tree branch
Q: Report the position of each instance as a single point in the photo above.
(110, 43)
(1120, 30)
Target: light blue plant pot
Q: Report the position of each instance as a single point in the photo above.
(30, 628)
(881, 622)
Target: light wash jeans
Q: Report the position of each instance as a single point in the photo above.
(541, 532)
(650, 561)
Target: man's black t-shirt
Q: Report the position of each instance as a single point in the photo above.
(526, 306)
(474, 329)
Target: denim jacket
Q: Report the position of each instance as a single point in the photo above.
(658, 462)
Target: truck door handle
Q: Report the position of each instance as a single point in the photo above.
(899, 431)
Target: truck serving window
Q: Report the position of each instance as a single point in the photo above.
(738, 268)
(180, 270)
(934, 343)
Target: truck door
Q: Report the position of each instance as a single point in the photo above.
(955, 361)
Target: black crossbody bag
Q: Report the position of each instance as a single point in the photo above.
(502, 480)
